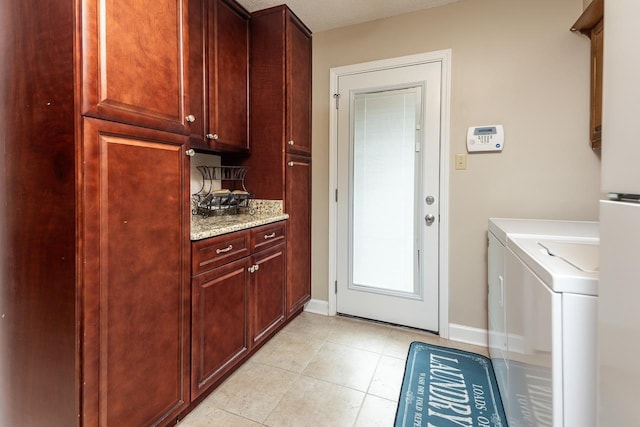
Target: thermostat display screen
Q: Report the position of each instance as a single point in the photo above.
(491, 130)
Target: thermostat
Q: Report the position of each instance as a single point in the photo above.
(485, 138)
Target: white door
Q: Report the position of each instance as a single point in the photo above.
(388, 167)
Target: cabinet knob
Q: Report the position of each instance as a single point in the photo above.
(290, 142)
(213, 136)
(253, 268)
(190, 152)
(290, 164)
(191, 118)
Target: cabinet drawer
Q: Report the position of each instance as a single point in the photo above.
(216, 251)
(267, 236)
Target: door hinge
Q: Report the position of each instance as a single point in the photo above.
(336, 96)
(336, 195)
(335, 287)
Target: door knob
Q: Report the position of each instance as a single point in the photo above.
(430, 219)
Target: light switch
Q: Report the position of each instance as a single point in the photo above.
(461, 161)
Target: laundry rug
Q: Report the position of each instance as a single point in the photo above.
(445, 387)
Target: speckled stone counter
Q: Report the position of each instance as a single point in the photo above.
(264, 212)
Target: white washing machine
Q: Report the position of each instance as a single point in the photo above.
(543, 285)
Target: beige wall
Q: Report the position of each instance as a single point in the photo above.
(514, 63)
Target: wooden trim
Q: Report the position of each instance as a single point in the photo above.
(589, 18)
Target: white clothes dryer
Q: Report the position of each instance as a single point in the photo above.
(543, 293)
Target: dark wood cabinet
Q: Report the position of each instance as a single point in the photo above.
(267, 293)
(134, 62)
(237, 300)
(280, 80)
(280, 112)
(135, 296)
(590, 23)
(94, 291)
(94, 223)
(597, 41)
(298, 86)
(220, 336)
(219, 76)
(267, 281)
(298, 201)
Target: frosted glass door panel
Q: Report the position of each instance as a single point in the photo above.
(385, 173)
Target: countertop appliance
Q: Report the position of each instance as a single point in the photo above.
(543, 287)
(618, 312)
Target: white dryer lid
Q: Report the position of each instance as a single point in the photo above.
(563, 264)
(583, 256)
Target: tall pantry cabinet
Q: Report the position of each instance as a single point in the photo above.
(94, 297)
(280, 161)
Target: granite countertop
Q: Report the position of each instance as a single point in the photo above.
(264, 212)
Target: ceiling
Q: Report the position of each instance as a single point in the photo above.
(322, 15)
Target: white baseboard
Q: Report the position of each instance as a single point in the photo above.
(460, 333)
(317, 306)
(469, 335)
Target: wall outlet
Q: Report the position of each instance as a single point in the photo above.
(461, 161)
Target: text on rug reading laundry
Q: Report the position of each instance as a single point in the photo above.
(448, 395)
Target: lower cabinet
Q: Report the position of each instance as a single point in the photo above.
(237, 303)
(267, 293)
(219, 323)
(298, 206)
(135, 283)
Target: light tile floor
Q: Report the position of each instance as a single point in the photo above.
(318, 371)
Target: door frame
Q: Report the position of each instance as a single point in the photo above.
(444, 57)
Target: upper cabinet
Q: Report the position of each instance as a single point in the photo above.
(219, 76)
(590, 24)
(134, 62)
(298, 86)
(281, 79)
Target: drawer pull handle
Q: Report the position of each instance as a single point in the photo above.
(269, 236)
(227, 249)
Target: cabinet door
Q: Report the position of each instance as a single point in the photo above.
(134, 62)
(219, 323)
(134, 234)
(218, 70)
(228, 76)
(298, 86)
(298, 206)
(267, 293)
